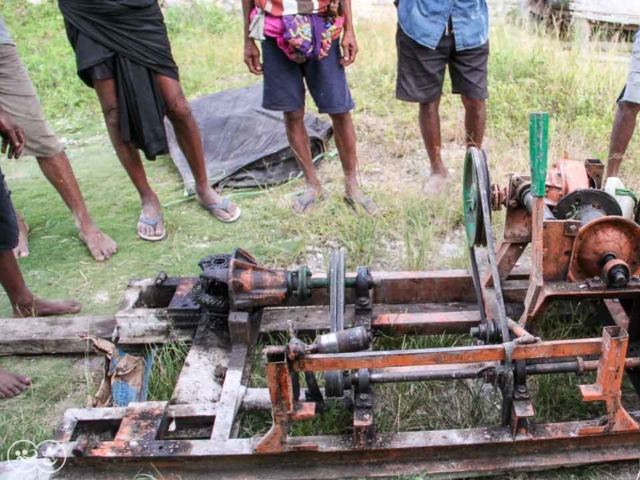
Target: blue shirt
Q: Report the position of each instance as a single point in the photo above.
(5, 38)
(425, 21)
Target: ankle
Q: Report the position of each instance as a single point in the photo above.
(84, 222)
(203, 189)
(351, 185)
(439, 169)
(149, 197)
(23, 300)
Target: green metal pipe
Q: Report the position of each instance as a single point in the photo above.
(539, 151)
(349, 282)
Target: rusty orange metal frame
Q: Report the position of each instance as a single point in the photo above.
(204, 436)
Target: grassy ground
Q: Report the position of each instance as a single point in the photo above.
(529, 71)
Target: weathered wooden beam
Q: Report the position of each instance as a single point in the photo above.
(204, 368)
(33, 336)
(231, 397)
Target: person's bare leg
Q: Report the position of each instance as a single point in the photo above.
(299, 142)
(129, 158)
(624, 125)
(12, 385)
(59, 172)
(430, 128)
(188, 136)
(22, 250)
(475, 121)
(23, 302)
(345, 136)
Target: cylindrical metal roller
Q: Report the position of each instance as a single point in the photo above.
(354, 339)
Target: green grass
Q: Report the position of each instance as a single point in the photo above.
(529, 71)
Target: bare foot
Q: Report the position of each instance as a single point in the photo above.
(151, 224)
(12, 385)
(435, 184)
(355, 198)
(101, 246)
(215, 203)
(22, 250)
(36, 307)
(305, 202)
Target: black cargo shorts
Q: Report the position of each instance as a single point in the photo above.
(8, 221)
(421, 69)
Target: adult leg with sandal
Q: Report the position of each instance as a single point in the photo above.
(151, 223)
(421, 72)
(285, 91)
(124, 53)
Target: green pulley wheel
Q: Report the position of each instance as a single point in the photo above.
(472, 202)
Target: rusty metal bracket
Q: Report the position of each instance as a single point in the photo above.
(608, 384)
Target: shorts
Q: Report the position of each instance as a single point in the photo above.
(421, 69)
(284, 81)
(18, 98)
(631, 91)
(8, 220)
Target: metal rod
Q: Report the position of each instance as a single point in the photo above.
(426, 376)
(480, 370)
(527, 200)
(323, 282)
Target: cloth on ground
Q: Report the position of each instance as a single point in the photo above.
(126, 377)
(244, 144)
(133, 35)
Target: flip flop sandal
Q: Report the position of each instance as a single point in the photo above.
(225, 207)
(304, 204)
(365, 205)
(152, 223)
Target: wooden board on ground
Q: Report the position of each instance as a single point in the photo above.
(201, 377)
(33, 336)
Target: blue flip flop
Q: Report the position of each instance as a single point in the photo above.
(152, 223)
(225, 207)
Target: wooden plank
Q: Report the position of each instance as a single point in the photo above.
(207, 357)
(32, 336)
(624, 12)
(316, 318)
(428, 323)
(231, 397)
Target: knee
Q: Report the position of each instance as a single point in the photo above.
(294, 118)
(430, 108)
(629, 108)
(340, 117)
(112, 117)
(179, 110)
(473, 105)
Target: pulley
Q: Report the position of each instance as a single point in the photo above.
(475, 160)
(477, 216)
